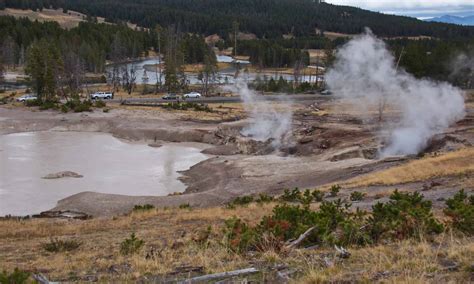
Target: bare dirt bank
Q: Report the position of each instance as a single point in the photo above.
(327, 148)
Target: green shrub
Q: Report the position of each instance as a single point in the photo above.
(48, 104)
(291, 195)
(106, 110)
(405, 215)
(33, 103)
(334, 190)
(239, 237)
(58, 245)
(264, 198)
(131, 245)
(461, 211)
(357, 196)
(64, 109)
(79, 106)
(15, 277)
(100, 104)
(184, 206)
(241, 200)
(145, 207)
(318, 195)
(186, 106)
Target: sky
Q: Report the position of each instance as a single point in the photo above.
(414, 8)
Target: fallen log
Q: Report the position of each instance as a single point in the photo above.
(227, 274)
(300, 239)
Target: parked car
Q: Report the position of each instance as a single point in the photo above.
(170, 96)
(102, 96)
(192, 95)
(326, 92)
(27, 97)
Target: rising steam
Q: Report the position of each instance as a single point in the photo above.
(365, 71)
(266, 122)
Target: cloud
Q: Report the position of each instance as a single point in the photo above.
(400, 4)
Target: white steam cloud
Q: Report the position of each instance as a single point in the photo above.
(366, 72)
(266, 121)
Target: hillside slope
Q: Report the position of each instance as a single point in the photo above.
(265, 18)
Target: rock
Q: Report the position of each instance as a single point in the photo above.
(448, 264)
(305, 140)
(63, 214)
(155, 145)
(63, 175)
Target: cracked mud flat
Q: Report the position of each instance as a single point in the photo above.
(329, 148)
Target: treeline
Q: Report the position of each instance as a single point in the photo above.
(440, 60)
(92, 43)
(266, 53)
(284, 86)
(265, 18)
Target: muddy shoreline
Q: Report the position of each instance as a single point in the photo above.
(328, 149)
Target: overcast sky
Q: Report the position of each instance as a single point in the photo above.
(418, 8)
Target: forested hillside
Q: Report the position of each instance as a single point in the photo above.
(93, 43)
(265, 18)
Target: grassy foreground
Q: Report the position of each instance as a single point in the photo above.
(178, 241)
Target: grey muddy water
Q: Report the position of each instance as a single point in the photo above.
(108, 165)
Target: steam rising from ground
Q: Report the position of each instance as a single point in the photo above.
(366, 72)
(266, 121)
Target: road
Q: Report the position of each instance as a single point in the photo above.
(234, 99)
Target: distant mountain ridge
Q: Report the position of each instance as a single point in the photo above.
(449, 19)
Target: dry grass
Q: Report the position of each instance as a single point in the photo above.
(403, 262)
(171, 234)
(66, 21)
(454, 163)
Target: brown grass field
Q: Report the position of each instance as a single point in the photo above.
(460, 162)
(173, 234)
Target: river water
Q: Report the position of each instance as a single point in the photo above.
(107, 164)
(222, 77)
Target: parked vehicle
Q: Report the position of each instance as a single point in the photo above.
(192, 95)
(102, 96)
(170, 96)
(326, 92)
(27, 97)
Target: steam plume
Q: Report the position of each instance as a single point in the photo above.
(366, 71)
(266, 122)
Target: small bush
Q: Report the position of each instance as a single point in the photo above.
(334, 190)
(405, 215)
(131, 245)
(186, 106)
(461, 211)
(291, 195)
(318, 195)
(357, 196)
(48, 104)
(184, 206)
(241, 200)
(79, 106)
(145, 207)
(264, 198)
(239, 237)
(64, 109)
(106, 110)
(100, 104)
(57, 245)
(33, 103)
(15, 277)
